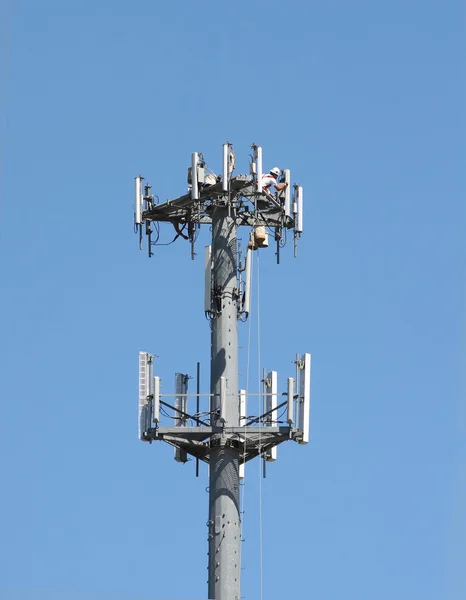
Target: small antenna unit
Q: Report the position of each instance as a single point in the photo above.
(181, 406)
(259, 169)
(304, 368)
(271, 391)
(247, 283)
(138, 199)
(194, 176)
(242, 421)
(299, 224)
(287, 193)
(225, 173)
(156, 401)
(145, 385)
(290, 400)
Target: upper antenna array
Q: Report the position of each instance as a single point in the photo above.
(267, 202)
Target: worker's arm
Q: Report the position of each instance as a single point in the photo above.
(280, 186)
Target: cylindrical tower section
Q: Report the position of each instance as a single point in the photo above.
(224, 509)
(224, 341)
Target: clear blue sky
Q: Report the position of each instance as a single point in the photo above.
(364, 102)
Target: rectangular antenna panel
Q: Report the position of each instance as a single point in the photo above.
(194, 166)
(241, 470)
(271, 392)
(231, 160)
(137, 199)
(156, 401)
(145, 385)
(287, 193)
(271, 404)
(304, 396)
(208, 279)
(290, 400)
(294, 203)
(151, 384)
(299, 225)
(181, 389)
(225, 168)
(243, 413)
(259, 169)
(247, 282)
(181, 404)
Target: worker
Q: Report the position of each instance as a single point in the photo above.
(270, 179)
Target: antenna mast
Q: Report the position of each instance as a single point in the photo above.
(229, 438)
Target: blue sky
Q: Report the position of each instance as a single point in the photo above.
(364, 102)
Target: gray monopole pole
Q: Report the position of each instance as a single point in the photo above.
(224, 509)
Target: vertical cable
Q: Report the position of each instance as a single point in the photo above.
(260, 412)
(245, 421)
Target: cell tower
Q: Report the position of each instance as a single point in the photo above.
(224, 436)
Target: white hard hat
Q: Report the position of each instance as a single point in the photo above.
(275, 171)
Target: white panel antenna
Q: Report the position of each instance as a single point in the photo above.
(231, 159)
(225, 174)
(271, 391)
(138, 199)
(243, 410)
(181, 404)
(294, 208)
(194, 176)
(287, 193)
(243, 413)
(304, 367)
(151, 388)
(156, 401)
(247, 282)
(258, 156)
(200, 173)
(299, 224)
(208, 279)
(145, 386)
(290, 400)
(181, 401)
